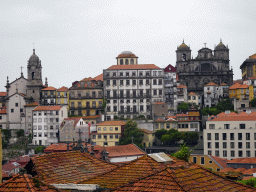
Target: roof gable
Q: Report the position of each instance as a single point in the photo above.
(170, 68)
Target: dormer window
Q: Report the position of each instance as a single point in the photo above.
(126, 62)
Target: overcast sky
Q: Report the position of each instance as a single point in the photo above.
(78, 39)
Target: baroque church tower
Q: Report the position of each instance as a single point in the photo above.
(35, 84)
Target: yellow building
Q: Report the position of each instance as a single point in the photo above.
(168, 124)
(249, 67)
(193, 98)
(148, 138)
(62, 96)
(107, 133)
(1, 156)
(86, 97)
(241, 92)
(209, 161)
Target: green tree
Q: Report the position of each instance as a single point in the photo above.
(183, 153)
(20, 133)
(183, 107)
(222, 106)
(253, 102)
(160, 133)
(131, 130)
(171, 137)
(190, 137)
(39, 149)
(251, 182)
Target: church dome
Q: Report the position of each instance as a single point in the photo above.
(220, 46)
(252, 56)
(126, 54)
(183, 46)
(33, 58)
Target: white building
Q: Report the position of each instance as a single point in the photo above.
(131, 89)
(182, 95)
(214, 92)
(231, 135)
(3, 116)
(46, 124)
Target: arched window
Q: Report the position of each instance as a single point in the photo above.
(132, 61)
(183, 57)
(94, 104)
(33, 75)
(126, 62)
(121, 62)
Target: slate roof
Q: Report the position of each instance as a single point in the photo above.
(25, 183)
(192, 178)
(69, 167)
(140, 66)
(139, 168)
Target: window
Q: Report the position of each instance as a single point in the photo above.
(247, 136)
(39, 127)
(111, 136)
(39, 120)
(105, 143)
(116, 136)
(108, 82)
(154, 82)
(45, 127)
(12, 110)
(209, 144)
(211, 126)
(247, 145)
(217, 153)
(232, 145)
(35, 120)
(224, 145)
(168, 126)
(155, 92)
(99, 136)
(133, 74)
(248, 153)
(209, 136)
(224, 136)
(241, 126)
(114, 82)
(105, 137)
(116, 128)
(210, 162)
(105, 128)
(141, 82)
(216, 145)
(99, 128)
(93, 136)
(133, 82)
(202, 160)
(115, 108)
(21, 110)
(160, 92)
(141, 107)
(226, 126)
(209, 152)
(160, 82)
(224, 153)
(240, 136)
(127, 82)
(232, 136)
(232, 153)
(216, 136)
(194, 160)
(34, 127)
(127, 74)
(140, 74)
(240, 153)
(122, 82)
(16, 105)
(240, 145)
(121, 74)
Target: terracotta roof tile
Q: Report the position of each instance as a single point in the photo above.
(25, 183)
(3, 94)
(182, 115)
(62, 89)
(223, 84)
(49, 89)
(191, 93)
(48, 108)
(181, 86)
(31, 104)
(211, 84)
(141, 66)
(252, 78)
(222, 162)
(3, 111)
(239, 86)
(69, 167)
(228, 169)
(251, 160)
(253, 56)
(147, 131)
(114, 123)
(159, 103)
(91, 117)
(126, 55)
(99, 77)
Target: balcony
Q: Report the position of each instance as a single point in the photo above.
(84, 107)
(85, 97)
(127, 112)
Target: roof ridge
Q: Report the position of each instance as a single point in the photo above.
(175, 178)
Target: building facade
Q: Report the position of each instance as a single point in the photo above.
(231, 135)
(248, 67)
(86, 97)
(62, 97)
(208, 66)
(130, 90)
(108, 133)
(49, 96)
(46, 124)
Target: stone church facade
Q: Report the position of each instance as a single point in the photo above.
(208, 66)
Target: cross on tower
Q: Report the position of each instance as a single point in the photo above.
(21, 68)
(205, 45)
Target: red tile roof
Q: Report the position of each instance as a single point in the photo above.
(69, 167)
(3, 111)
(141, 66)
(147, 131)
(48, 108)
(62, 89)
(31, 104)
(191, 93)
(223, 84)
(25, 183)
(62, 147)
(181, 86)
(91, 117)
(99, 77)
(239, 86)
(159, 103)
(49, 89)
(3, 94)
(251, 160)
(235, 117)
(222, 162)
(126, 55)
(113, 123)
(182, 115)
(211, 84)
(253, 56)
